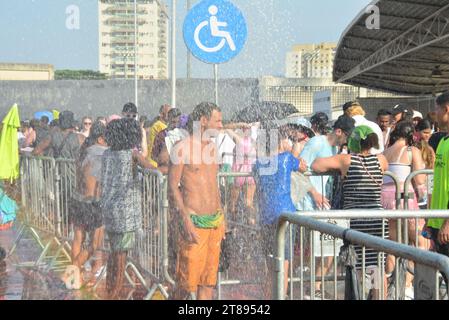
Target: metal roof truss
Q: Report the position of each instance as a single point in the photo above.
(432, 30)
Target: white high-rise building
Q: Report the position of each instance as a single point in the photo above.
(311, 61)
(116, 39)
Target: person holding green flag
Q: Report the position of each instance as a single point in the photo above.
(9, 145)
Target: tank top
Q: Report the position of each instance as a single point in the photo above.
(362, 190)
(401, 170)
(362, 186)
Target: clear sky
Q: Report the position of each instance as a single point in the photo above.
(34, 31)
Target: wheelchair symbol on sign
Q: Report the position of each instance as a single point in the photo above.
(215, 26)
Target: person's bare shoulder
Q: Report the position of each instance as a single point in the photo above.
(383, 161)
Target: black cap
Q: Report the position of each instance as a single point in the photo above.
(129, 108)
(319, 117)
(346, 124)
(401, 109)
(66, 120)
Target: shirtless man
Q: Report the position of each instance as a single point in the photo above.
(193, 186)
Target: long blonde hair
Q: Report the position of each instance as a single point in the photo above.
(428, 154)
(355, 110)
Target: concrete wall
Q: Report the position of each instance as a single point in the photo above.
(97, 98)
(26, 71)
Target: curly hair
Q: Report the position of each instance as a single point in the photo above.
(123, 134)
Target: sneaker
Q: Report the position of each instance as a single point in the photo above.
(100, 271)
(88, 266)
(72, 278)
(409, 293)
(318, 296)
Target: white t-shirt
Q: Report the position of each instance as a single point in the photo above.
(226, 148)
(173, 137)
(362, 121)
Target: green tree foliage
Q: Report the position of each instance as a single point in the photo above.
(79, 75)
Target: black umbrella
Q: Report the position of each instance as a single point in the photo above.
(265, 112)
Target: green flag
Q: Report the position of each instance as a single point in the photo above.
(9, 145)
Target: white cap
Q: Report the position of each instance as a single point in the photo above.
(417, 114)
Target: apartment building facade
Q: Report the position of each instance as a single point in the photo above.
(311, 61)
(117, 39)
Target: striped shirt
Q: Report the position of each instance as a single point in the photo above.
(362, 187)
(362, 190)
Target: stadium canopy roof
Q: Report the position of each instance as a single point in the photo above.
(409, 54)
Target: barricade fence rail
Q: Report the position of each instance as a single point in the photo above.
(426, 264)
(48, 185)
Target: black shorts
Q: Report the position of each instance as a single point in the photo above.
(439, 248)
(86, 214)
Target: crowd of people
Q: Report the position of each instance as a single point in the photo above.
(109, 151)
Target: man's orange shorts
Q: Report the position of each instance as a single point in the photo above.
(197, 264)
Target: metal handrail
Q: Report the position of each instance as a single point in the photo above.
(376, 214)
(408, 182)
(426, 258)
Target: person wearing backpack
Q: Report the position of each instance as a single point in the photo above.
(65, 142)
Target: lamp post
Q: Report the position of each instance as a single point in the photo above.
(173, 53)
(189, 56)
(136, 91)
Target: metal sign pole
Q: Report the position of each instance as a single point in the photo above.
(173, 53)
(216, 83)
(189, 55)
(136, 90)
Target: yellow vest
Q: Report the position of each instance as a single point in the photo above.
(440, 196)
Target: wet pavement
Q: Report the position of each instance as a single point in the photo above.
(11, 279)
(17, 283)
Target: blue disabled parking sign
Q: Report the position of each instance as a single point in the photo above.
(215, 31)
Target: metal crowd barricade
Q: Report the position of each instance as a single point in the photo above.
(408, 196)
(244, 229)
(66, 184)
(40, 206)
(310, 221)
(47, 188)
(150, 254)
